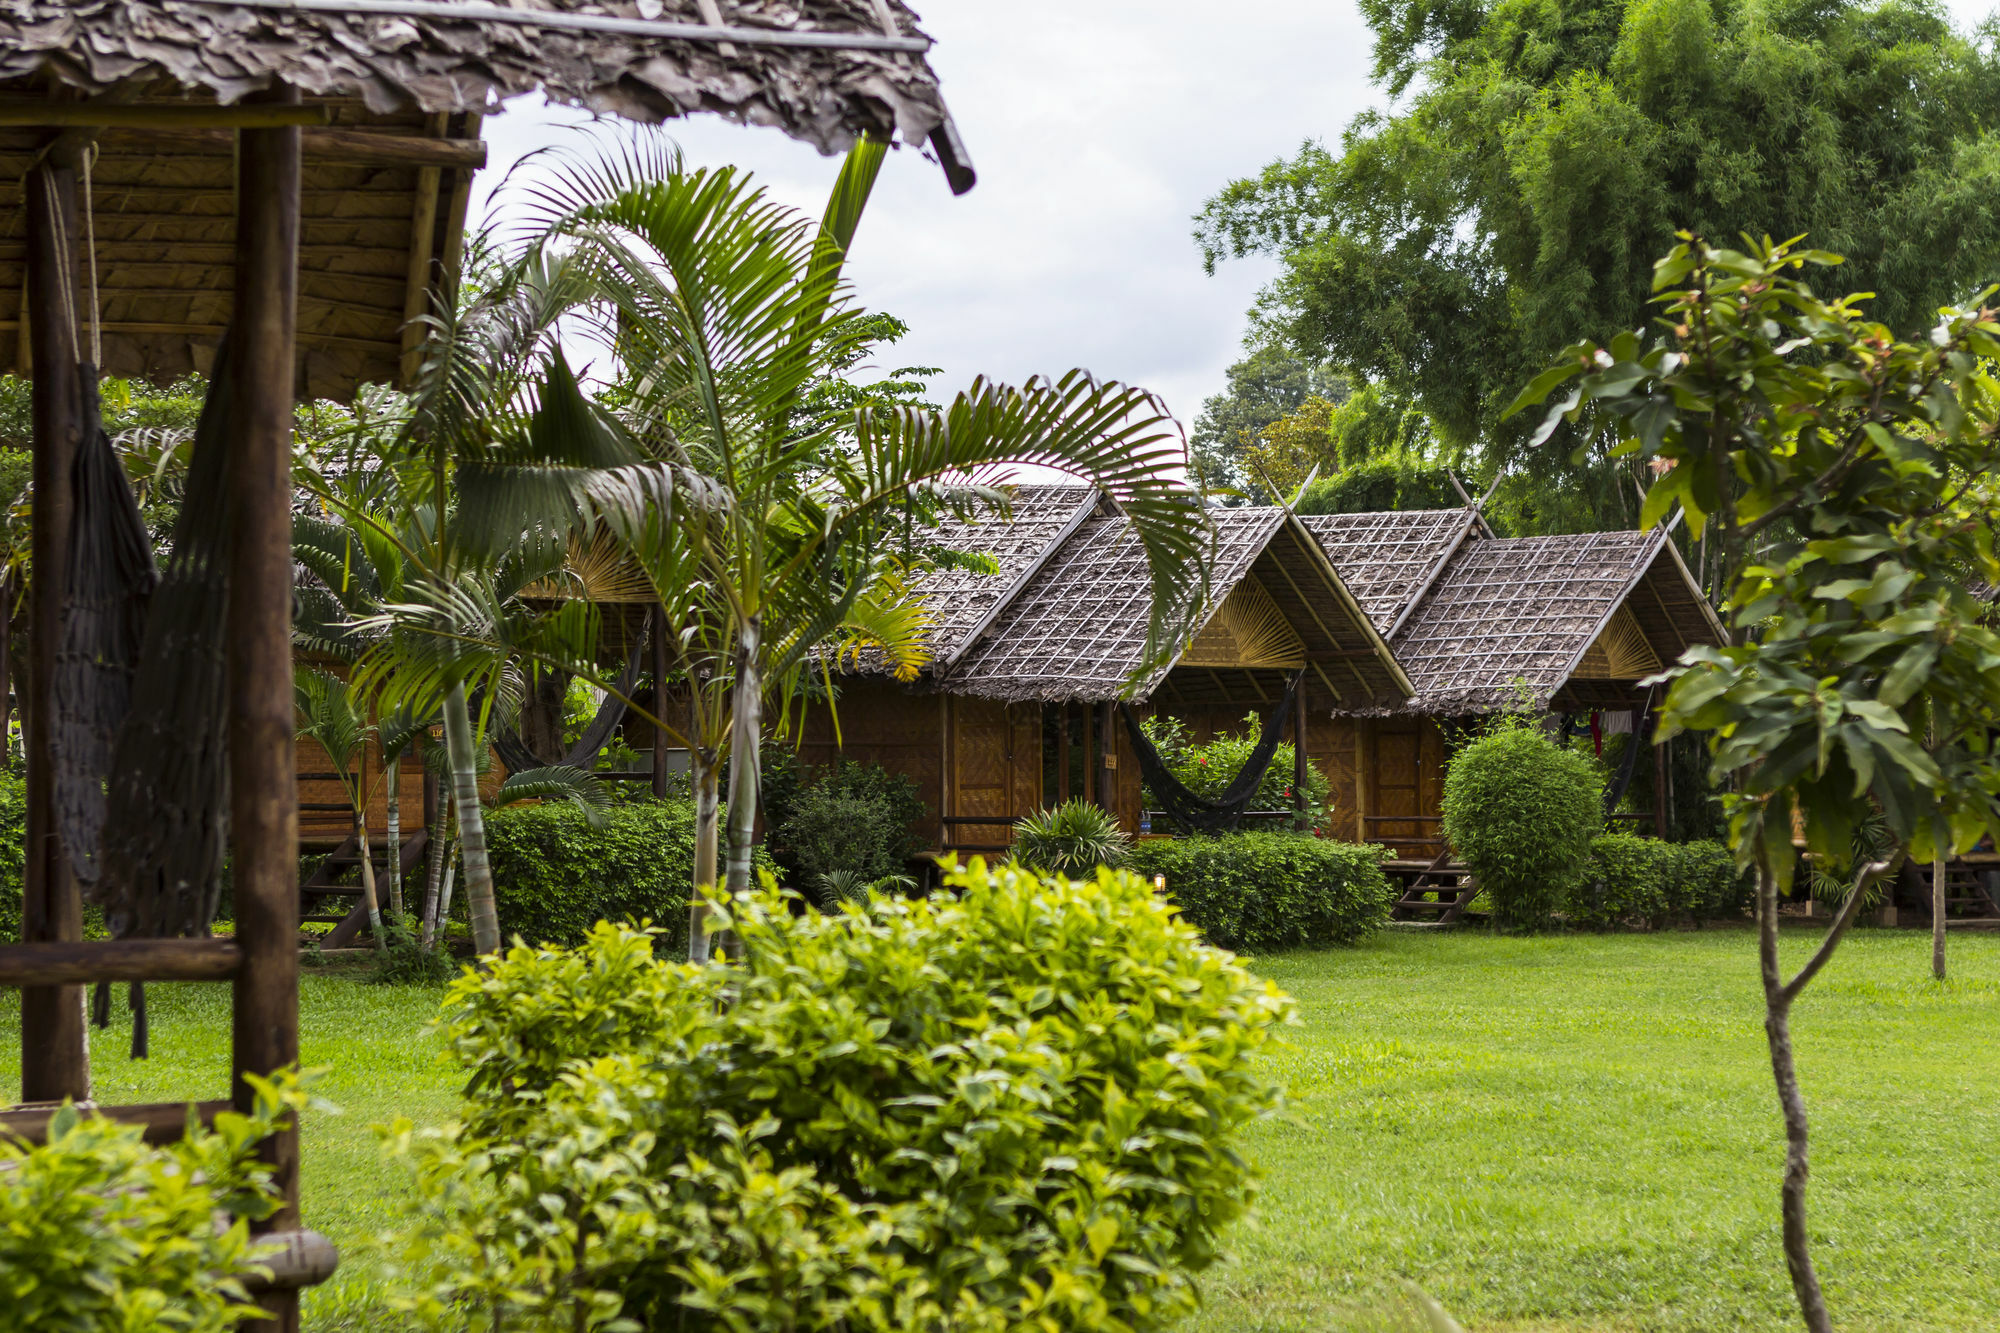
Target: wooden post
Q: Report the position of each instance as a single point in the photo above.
(1107, 760)
(55, 1061)
(661, 661)
(263, 793)
(1062, 753)
(1662, 816)
(1300, 801)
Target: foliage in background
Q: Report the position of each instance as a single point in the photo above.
(1380, 485)
(1263, 891)
(1073, 838)
(1521, 811)
(102, 1233)
(1209, 768)
(555, 875)
(1634, 879)
(851, 817)
(1020, 1103)
(13, 851)
(1513, 201)
(1266, 386)
(1694, 805)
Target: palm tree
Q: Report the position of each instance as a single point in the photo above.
(330, 714)
(766, 530)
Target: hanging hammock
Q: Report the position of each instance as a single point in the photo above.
(1203, 814)
(111, 578)
(167, 805)
(514, 751)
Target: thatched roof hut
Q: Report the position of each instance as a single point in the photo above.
(1573, 621)
(1066, 618)
(394, 93)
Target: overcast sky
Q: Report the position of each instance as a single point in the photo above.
(1098, 128)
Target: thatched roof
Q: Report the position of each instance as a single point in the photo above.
(1528, 609)
(1077, 630)
(402, 85)
(962, 604)
(1388, 560)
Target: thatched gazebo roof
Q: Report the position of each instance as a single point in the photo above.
(1077, 630)
(1388, 559)
(1577, 620)
(394, 93)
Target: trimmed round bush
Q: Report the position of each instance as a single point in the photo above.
(1019, 1103)
(1521, 812)
(1271, 890)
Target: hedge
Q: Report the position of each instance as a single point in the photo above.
(1271, 890)
(554, 876)
(1633, 878)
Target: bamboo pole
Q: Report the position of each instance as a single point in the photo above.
(263, 789)
(55, 1058)
(661, 662)
(1299, 759)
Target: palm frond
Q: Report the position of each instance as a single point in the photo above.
(557, 782)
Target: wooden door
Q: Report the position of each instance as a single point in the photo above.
(1396, 787)
(996, 773)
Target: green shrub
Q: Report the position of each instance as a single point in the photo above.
(1207, 769)
(1017, 1104)
(1271, 890)
(1521, 811)
(1073, 838)
(1634, 878)
(554, 876)
(852, 817)
(101, 1233)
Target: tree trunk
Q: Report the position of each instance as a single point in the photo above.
(444, 893)
(1778, 1032)
(393, 781)
(707, 800)
(433, 876)
(368, 897)
(471, 823)
(1937, 919)
(745, 732)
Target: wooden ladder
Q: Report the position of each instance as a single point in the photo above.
(1966, 894)
(325, 883)
(1439, 903)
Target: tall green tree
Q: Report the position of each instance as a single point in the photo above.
(1266, 386)
(1852, 482)
(1540, 155)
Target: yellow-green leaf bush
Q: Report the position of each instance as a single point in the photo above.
(1016, 1104)
(1271, 890)
(1521, 812)
(103, 1233)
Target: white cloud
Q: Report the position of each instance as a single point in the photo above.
(1098, 128)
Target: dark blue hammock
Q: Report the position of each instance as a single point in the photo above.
(1202, 814)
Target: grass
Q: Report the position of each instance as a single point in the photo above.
(1571, 1134)
(380, 1063)
(1580, 1133)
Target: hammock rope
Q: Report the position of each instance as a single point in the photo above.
(1203, 814)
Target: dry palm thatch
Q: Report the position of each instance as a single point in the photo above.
(1553, 615)
(1388, 560)
(386, 180)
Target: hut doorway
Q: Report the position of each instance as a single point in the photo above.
(995, 772)
(1404, 768)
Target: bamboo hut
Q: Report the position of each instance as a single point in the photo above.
(1567, 624)
(296, 170)
(1017, 708)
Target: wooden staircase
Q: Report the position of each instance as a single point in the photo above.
(330, 880)
(1968, 896)
(1434, 893)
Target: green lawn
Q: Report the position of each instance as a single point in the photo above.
(1568, 1134)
